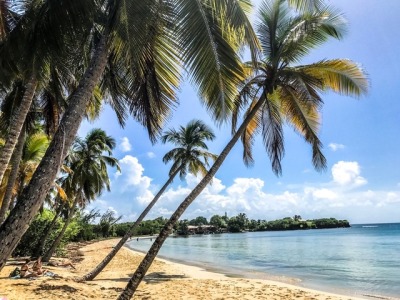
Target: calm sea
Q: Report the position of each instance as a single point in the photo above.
(363, 260)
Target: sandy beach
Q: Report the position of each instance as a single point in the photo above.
(165, 280)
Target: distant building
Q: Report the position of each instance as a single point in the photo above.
(201, 229)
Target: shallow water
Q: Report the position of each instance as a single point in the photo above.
(361, 260)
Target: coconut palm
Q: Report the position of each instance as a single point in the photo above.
(89, 175)
(32, 152)
(191, 155)
(150, 41)
(51, 38)
(277, 93)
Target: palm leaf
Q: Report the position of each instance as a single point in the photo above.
(215, 66)
(305, 32)
(340, 75)
(306, 5)
(146, 43)
(303, 115)
(248, 135)
(272, 131)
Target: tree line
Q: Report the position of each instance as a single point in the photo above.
(241, 223)
(62, 61)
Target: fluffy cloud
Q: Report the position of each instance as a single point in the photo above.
(324, 194)
(337, 198)
(125, 145)
(151, 154)
(131, 180)
(347, 173)
(132, 171)
(335, 147)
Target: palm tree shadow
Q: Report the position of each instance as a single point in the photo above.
(154, 277)
(63, 287)
(157, 277)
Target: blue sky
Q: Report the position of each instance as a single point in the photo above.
(360, 137)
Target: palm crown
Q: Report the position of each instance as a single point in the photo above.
(191, 148)
(288, 94)
(89, 165)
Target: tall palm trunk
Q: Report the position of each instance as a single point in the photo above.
(152, 253)
(15, 161)
(16, 124)
(34, 194)
(57, 240)
(96, 271)
(46, 232)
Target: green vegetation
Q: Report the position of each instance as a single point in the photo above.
(241, 223)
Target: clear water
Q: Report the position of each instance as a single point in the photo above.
(362, 260)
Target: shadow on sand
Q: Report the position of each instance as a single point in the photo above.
(161, 276)
(50, 287)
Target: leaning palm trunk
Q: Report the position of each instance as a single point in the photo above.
(152, 253)
(57, 241)
(34, 194)
(96, 271)
(39, 249)
(15, 160)
(16, 124)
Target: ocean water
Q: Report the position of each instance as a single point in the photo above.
(363, 260)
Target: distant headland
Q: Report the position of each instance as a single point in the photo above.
(235, 224)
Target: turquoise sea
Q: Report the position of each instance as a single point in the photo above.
(363, 260)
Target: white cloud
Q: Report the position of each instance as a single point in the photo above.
(164, 212)
(324, 194)
(335, 147)
(391, 198)
(347, 173)
(133, 181)
(110, 208)
(151, 154)
(132, 170)
(132, 191)
(125, 145)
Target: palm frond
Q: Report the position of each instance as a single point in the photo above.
(215, 66)
(146, 42)
(248, 135)
(304, 117)
(340, 75)
(273, 19)
(305, 32)
(272, 131)
(235, 15)
(306, 5)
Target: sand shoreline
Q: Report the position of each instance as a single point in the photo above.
(165, 280)
(230, 273)
(207, 271)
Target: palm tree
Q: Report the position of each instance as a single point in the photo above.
(154, 39)
(51, 38)
(279, 93)
(89, 177)
(191, 155)
(11, 177)
(32, 151)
